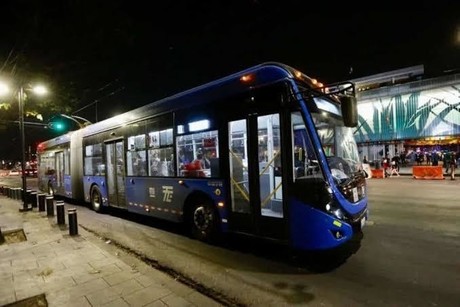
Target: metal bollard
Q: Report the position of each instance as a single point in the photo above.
(17, 193)
(73, 224)
(60, 212)
(8, 192)
(27, 198)
(2, 239)
(49, 205)
(34, 199)
(41, 202)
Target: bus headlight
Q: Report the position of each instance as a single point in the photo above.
(337, 212)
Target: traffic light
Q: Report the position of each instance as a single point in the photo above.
(64, 123)
(57, 123)
(58, 126)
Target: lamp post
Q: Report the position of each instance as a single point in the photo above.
(40, 90)
(23, 144)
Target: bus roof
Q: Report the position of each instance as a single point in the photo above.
(62, 139)
(262, 74)
(234, 84)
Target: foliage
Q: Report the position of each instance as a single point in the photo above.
(36, 109)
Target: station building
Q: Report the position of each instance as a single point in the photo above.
(401, 112)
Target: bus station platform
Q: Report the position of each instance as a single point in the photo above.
(42, 263)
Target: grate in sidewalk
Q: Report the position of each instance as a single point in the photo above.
(38, 300)
(12, 236)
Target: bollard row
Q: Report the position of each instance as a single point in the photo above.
(41, 200)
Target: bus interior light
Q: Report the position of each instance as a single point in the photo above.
(220, 204)
(199, 125)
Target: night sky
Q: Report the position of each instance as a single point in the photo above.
(124, 54)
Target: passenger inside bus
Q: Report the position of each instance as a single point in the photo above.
(198, 167)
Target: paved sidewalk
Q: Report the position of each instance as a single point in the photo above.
(79, 270)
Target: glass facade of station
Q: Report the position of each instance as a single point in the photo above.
(422, 115)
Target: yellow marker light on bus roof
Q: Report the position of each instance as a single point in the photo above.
(314, 81)
(298, 74)
(247, 78)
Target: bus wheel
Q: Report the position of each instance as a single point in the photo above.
(204, 221)
(50, 189)
(96, 199)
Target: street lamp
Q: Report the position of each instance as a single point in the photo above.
(39, 90)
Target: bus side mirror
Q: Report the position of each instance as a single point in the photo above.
(349, 105)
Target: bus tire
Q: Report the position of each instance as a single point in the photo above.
(204, 221)
(96, 199)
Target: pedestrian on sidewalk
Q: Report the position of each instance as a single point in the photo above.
(394, 169)
(447, 158)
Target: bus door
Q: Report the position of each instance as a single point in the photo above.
(116, 173)
(256, 184)
(59, 172)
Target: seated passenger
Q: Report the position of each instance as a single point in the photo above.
(195, 168)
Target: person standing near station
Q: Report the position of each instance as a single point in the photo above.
(446, 161)
(452, 165)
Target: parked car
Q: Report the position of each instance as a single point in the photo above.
(13, 172)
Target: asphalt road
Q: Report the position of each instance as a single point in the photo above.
(409, 255)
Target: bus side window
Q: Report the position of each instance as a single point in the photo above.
(201, 146)
(160, 161)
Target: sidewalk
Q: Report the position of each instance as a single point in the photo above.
(78, 270)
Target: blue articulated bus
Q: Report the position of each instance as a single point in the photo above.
(268, 152)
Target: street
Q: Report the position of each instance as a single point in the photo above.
(408, 255)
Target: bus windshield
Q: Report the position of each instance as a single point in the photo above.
(339, 146)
